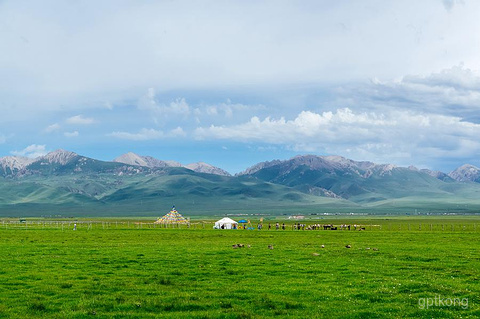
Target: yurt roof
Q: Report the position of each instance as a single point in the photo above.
(226, 220)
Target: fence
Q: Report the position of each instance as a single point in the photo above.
(95, 224)
(89, 225)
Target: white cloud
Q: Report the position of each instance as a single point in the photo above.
(177, 132)
(230, 44)
(31, 151)
(177, 107)
(287, 55)
(80, 120)
(52, 128)
(147, 102)
(148, 134)
(71, 134)
(454, 92)
(458, 77)
(143, 135)
(228, 109)
(393, 135)
(306, 124)
(226, 112)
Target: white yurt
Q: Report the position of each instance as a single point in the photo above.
(226, 223)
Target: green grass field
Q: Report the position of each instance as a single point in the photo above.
(120, 269)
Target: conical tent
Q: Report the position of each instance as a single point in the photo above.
(172, 217)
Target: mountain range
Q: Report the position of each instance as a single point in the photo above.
(65, 183)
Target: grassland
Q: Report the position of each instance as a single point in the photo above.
(119, 268)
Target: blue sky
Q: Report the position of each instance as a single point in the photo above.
(234, 83)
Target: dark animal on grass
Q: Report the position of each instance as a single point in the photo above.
(348, 246)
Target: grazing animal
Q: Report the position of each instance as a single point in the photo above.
(270, 246)
(368, 248)
(316, 254)
(375, 249)
(234, 246)
(249, 246)
(348, 246)
(323, 246)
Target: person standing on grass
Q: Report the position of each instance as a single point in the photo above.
(283, 226)
(277, 225)
(75, 226)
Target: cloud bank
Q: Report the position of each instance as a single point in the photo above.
(148, 134)
(387, 81)
(393, 135)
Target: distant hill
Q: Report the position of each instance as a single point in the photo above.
(466, 173)
(202, 167)
(148, 161)
(359, 182)
(66, 183)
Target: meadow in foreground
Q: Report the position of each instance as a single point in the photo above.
(118, 272)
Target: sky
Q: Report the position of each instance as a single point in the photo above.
(234, 83)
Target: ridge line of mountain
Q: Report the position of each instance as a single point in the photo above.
(464, 173)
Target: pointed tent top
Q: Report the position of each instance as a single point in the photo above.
(172, 217)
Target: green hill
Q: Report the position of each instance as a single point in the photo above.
(67, 184)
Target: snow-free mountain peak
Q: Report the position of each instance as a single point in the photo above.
(151, 162)
(202, 167)
(466, 173)
(14, 163)
(327, 163)
(59, 156)
(131, 158)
